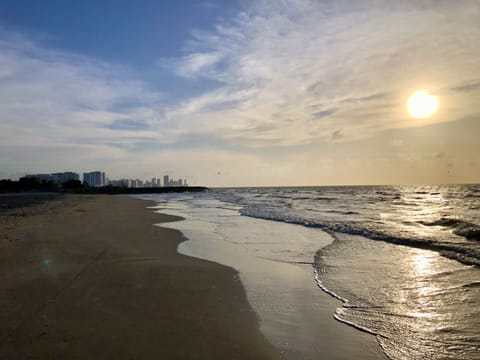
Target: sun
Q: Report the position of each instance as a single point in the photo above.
(421, 104)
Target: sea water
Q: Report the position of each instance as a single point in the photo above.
(402, 261)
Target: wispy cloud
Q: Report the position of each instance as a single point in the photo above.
(281, 59)
(48, 97)
(198, 65)
(469, 86)
(128, 124)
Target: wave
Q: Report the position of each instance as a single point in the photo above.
(475, 284)
(463, 228)
(342, 212)
(468, 255)
(317, 269)
(324, 198)
(395, 324)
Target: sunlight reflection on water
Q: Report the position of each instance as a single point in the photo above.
(415, 300)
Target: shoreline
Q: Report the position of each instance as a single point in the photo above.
(91, 274)
(296, 316)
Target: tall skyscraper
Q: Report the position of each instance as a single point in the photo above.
(166, 180)
(94, 178)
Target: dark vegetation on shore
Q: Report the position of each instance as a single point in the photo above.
(31, 184)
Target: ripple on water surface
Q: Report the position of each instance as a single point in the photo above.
(418, 303)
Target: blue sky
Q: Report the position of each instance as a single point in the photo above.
(233, 93)
(137, 34)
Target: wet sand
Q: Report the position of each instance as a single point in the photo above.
(85, 277)
(295, 315)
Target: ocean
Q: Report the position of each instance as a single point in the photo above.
(399, 262)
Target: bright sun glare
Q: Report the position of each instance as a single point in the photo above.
(421, 104)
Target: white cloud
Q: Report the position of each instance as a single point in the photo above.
(49, 97)
(197, 64)
(284, 62)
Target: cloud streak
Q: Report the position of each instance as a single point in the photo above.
(49, 97)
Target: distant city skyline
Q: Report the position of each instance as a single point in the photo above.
(242, 93)
(98, 179)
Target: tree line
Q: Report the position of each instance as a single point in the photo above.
(30, 183)
(33, 184)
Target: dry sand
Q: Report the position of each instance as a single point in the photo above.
(89, 277)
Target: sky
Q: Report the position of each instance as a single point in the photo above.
(241, 93)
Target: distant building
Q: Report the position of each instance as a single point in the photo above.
(62, 177)
(119, 183)
(94, 178)
(136, 183)
(154, 182)
(172, 182)
(58, 178)
(126, 182)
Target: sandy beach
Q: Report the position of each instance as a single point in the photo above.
(87, 277)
